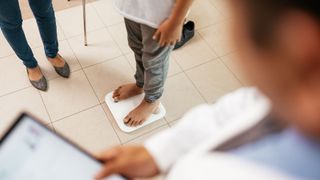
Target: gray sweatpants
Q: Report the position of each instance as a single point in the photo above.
(152, 61)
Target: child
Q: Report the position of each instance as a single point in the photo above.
(153, 28)
(275, 133)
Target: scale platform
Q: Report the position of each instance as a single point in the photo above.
(121, 109)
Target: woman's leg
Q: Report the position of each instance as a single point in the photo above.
(44, 14)
(11, 26)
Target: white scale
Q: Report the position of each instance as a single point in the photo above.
(121, 109)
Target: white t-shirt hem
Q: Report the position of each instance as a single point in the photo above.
(138, 20)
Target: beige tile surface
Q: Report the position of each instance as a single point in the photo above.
(71, 21)
(107, 13)
(204, 14)
(143, 138)
(231, 62)
(222, 6)
(180, 95)
(213, 80)
(28, 100)
(119, 34)
(90, 129)
(218, 38)
(58, 5)
(194, 53)
(107, 76)
(126, 137)
(69, 96)
(13, 75)
(101, 47)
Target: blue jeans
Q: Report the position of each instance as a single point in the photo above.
(11, 26)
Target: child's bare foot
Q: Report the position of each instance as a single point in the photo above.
(141, 113)
(126, 91)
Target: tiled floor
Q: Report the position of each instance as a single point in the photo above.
(201, 72)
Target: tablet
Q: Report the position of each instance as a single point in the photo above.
(30, 150)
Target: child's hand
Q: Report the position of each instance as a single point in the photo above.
(168, 33)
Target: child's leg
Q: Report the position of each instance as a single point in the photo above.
(135, 43)
(155, 61)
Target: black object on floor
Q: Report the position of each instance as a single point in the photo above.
(187, 34)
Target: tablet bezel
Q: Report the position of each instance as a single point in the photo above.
(60, 136)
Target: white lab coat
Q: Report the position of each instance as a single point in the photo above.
(177, 150)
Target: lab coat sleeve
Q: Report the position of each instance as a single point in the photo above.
(196, 127)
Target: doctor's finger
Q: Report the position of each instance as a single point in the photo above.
(109, 154)
(108, 170)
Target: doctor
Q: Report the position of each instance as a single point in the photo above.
(11, 27)
(268, 132)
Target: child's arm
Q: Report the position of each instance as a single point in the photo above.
(169, 32)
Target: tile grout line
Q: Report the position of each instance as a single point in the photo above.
(60, 119)
(185, 73)
(83, 69)
(205, 41)
(198, 90)
(126, 142)
(233, 73)
(109, 120)
(15, 91)
(107, 28)
(45, 107)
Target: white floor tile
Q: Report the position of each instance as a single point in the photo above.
(213, 80)
(230, 61)
(90, 129)
(179, 96)
(107, 12)
(13, 75)
(108, 76)
(204, 14)
(69, 96)
(218, 38)
(101, 47)
(71, 20)
(194, 53)
(119, 33)
(26, 100)
(140, 140)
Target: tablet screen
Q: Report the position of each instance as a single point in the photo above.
(31, 151)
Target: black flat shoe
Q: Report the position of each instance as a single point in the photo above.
(187, 34)
(41, 84)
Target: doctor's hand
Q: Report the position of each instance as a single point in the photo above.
(168, 33)
(129, 161)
